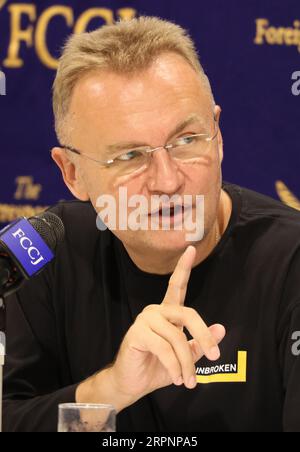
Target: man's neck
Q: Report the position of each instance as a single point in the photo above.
(166, 264)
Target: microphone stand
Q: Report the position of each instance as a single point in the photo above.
(2, 352)
(10, 282)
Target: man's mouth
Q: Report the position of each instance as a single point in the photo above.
(170, 211)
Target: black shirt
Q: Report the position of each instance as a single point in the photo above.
(68, 323)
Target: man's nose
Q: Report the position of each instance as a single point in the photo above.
(163, 173)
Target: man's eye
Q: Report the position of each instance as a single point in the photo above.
(130, 155)
(189, 139)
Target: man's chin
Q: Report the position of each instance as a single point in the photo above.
(165, 240)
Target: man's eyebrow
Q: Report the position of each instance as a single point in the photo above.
(125, 145)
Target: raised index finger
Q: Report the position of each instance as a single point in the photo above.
(179, 280)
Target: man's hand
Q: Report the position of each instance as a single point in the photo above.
(155, 351)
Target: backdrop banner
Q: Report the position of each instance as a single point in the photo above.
(249, 49)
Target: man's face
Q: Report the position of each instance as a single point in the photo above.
(107, 108)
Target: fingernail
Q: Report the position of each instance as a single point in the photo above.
(214, 353)
(192, 382)
(179, 381)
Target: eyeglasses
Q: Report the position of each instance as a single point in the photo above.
(187, 148)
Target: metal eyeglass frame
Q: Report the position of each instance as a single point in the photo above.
(109, 163)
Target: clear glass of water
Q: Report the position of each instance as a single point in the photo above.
(78, 417)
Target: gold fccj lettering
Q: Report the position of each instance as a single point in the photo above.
(30, 30)
(26, 189)
(271, 35)
(286, 195)
(10, 212)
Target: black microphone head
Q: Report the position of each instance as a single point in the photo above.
(50, 227)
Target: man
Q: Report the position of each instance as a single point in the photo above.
(136, 317)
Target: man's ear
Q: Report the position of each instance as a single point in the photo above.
(70, 174)
(217, 114)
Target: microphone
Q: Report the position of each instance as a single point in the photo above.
(27, 246)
